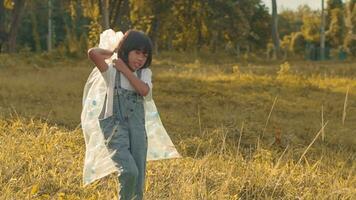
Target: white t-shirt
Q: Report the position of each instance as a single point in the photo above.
(146, 76)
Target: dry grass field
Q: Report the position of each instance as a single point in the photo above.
(246, 130)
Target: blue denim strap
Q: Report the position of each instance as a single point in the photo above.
(118, 78)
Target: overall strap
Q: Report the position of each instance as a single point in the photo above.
(118, 77)
(139, 73)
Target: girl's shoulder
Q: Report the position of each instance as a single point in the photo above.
(146, 71)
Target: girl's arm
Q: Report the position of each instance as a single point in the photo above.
(141, 87)
(98, 56)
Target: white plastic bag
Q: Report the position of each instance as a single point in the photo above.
(98, 162)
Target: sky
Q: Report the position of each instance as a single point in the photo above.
(293, 4)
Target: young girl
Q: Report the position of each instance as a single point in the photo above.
(120, 122)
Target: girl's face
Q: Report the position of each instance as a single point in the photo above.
(137, 59)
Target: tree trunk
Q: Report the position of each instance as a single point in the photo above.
(122, 19)
(35, 34)
(213, 42)
(154, 34)
(170, 42)
(16, 19)
(104, 4)
(2, 16)
(322, 34)
(275, 34)
(238, 52)
(3, 33)
(49, 36)
(115, 9)
(350, 11)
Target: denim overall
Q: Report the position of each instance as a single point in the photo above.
(125, 132)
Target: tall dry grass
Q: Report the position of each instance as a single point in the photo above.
(213, 114)
(41, 161)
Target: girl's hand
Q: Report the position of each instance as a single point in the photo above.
(141, 87)
(120, 65)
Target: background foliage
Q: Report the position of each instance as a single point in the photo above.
(236, 26)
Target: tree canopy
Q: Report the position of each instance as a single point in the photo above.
(188, 25)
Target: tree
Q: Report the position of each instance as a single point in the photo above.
(49, 36)
(275, 34)
(120, 14)
(297, 43)
(183, 25)
(104, 8)
(311, 27)
(289, 21)
(259, 29)
(350, 21)
(157, 12)
(322, 32)
(336, 25)
(15, 23)
(35, 33)
(3, 33)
